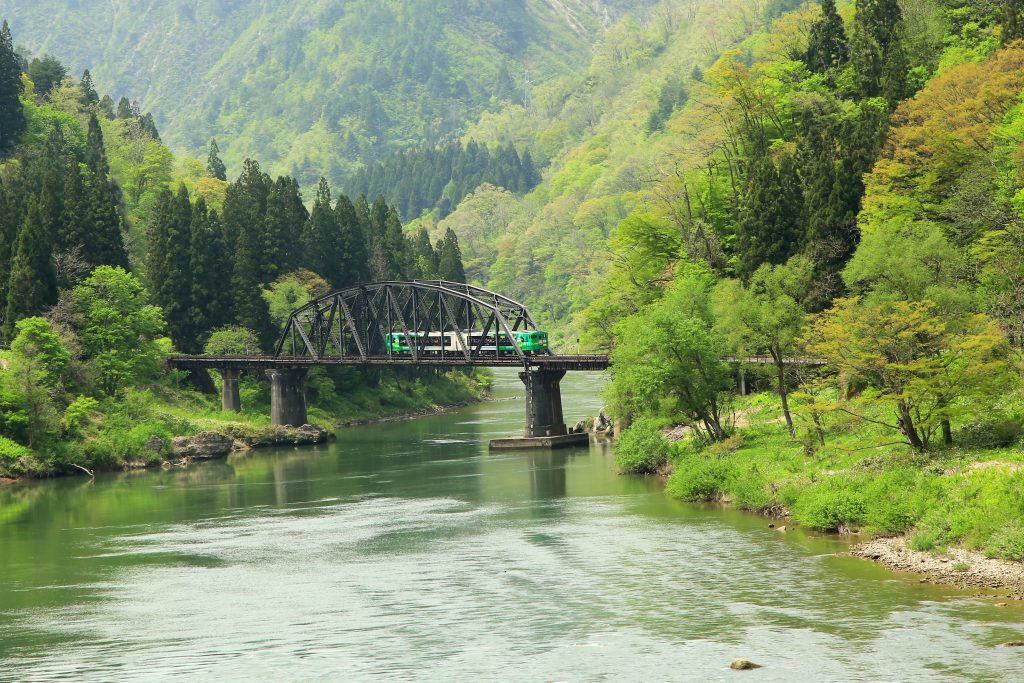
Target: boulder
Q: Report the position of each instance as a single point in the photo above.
(743, 665)
(202, 446)
(310, 434)
(155, 444)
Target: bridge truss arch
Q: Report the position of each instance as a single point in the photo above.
(355, 323)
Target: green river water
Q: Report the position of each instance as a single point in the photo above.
(406, 552)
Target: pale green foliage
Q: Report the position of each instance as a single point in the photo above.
(668, 357)
(641, 449)
(39, 342)
(118, 328)
(79, 414)
(283, 297)
(233, 341)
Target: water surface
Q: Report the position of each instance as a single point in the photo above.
(405, 552)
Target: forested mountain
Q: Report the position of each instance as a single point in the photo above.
(312, 87)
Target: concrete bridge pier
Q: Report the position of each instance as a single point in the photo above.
(543, 403)
(231, 400)
(288, 397)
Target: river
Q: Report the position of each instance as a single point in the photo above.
(406, 552)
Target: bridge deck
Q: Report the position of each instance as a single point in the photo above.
(558, 362)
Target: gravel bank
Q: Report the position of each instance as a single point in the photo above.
(958, 567)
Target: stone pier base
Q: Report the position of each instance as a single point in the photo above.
(288, 397)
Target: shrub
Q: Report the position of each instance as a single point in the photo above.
(233, 341)
(989, 434)
(642, 449)
(1007, 542)
(831, 504)
(12, 450)
(699, 478)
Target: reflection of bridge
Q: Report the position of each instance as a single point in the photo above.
(441, 324)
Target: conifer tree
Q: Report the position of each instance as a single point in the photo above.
(124, 109)
(210, 298)
(771, 224)
(215, 168)
(12, 116)
(105, 243)
(8, 233)
(89, 94)
(351, 236)
(168, 263)
(449, 258)
(33, 282)
(322, 239)
(877, 54)
(95, 152)
(826, 49)
(250, 308)
(1013, 20)
(426, 262)
(285, 220)
(245, 205)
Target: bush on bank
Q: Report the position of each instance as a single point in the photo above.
(970, 495)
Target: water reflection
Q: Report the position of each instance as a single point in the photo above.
(406, 551)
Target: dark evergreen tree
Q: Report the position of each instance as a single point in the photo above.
(46, 74)
(350, 234)
(827, 49)
(250, 308)
(107, 108)
(245, 205)
(149, 126)
(283, 226)
(1013, 20)
(33, 282)
(168, 263)
(210, 298)
(9, 222)
(322, 239)
(396, 247)
(89, 94)
(426, 264)
(771, 225)
(449, 258)
(12, 116)
(124, 109)
(95, 151)
(105, 242)
(877, 54)
(215, 168)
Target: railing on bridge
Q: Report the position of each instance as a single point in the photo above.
(424, 319)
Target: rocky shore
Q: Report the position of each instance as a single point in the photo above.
(211, 445)
(957, 567)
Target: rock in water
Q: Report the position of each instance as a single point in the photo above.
(743, 665)
(310, 434)
(203, 446)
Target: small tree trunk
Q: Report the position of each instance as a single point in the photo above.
(947, 433)
(780, 366)
(817, 427)
(908, 428)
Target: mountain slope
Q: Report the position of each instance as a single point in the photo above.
(311, 86)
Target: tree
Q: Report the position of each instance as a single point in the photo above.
(877, 55)
(924, 368)
(351, 235)
(232, 341)
(768, 316)
(168, 265)
(118, 327)
(771, 226)
(33, 283)
(1013, 20)
(210, 298)
(322, 240)
(215, 168)
(250, 309)
(449, 258)
(38, 370)
(826, 49)
(668, 357)
(37, 339)
(12, 115)
(46, 74)
(89, 94)
(95, 150)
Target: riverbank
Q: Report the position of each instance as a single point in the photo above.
(966, 499)
(150, 426)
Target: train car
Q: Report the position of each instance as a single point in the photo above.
(532, 342)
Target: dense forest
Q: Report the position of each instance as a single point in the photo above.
(315, 88)
(113, 253)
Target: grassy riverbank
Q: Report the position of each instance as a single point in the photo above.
(135, 427)
(970, 495)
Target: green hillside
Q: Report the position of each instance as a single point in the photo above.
(314, 86)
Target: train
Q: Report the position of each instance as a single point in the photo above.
(531, 342)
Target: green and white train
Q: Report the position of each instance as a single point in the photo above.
(531, 342)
